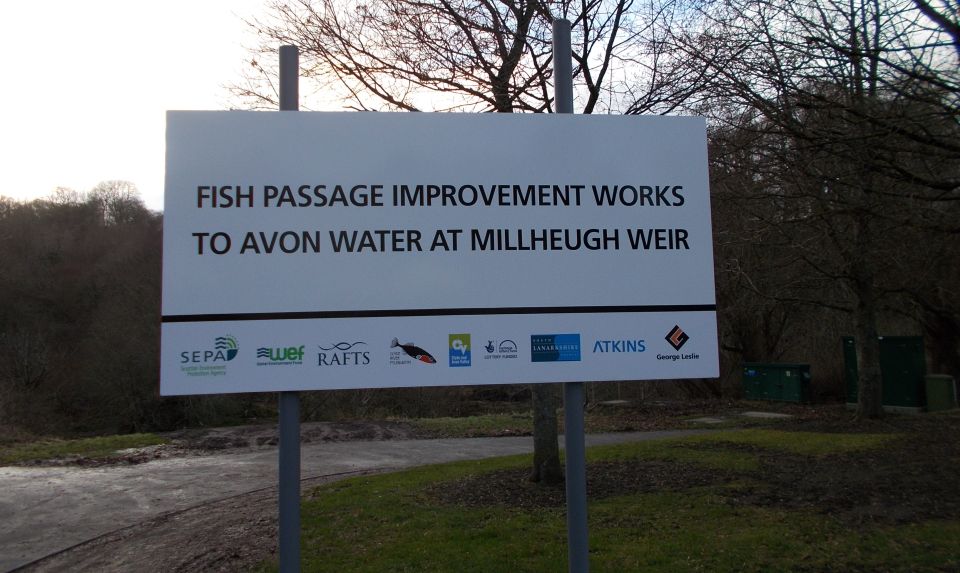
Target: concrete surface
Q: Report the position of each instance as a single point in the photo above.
(48, 509)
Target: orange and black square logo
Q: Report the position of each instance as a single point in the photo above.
(677, 337)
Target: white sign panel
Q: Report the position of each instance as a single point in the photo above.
(354, 250)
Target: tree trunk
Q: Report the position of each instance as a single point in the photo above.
(869, 385)
(546, 450)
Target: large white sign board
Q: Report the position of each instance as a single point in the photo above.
(311, 251)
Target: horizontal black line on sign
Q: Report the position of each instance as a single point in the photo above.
(435, 312)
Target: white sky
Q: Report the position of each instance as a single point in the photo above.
(86, 84)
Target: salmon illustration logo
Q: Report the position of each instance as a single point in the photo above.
(414, 351)
(677, 337)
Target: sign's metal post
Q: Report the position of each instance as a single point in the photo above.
(577, 541)
(578, 547)
(289, 471)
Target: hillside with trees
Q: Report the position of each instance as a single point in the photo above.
(834, 141)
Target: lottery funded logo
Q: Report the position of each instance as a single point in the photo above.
(500, 349)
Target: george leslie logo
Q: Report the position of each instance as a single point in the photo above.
(211, 361)
(677, 337)
(343, 354)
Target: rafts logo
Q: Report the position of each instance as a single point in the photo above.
(343, 354)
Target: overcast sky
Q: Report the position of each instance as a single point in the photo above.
(86, 84)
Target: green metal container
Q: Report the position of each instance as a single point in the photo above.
(902, 369)
(776, 382)
(941, 391)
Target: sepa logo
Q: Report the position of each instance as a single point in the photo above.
(677, 337)
(280, 356)
(224, 349)
(555, 348)
(611, 346)
(459, 350)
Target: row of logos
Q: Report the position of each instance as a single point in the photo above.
(460, 352)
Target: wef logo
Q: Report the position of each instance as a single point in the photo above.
(288, 354)
(282, 356)
(225, 349)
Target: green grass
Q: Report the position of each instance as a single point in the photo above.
(472, 426)
(87, 447)
(802, 443)
(391, 522)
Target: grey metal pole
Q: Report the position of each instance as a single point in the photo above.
(578, 547)
(289, 471)
(562, 67)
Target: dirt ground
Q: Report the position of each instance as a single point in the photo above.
(232, 534)
(229, 535)
(913, 479)
(204, 441)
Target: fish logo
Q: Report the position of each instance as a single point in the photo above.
(414, 351)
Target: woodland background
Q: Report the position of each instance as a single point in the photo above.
(834, 146)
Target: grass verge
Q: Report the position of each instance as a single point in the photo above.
(419, 520)
(476, 426)
(98, 447)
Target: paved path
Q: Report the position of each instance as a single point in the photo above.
(48, 509)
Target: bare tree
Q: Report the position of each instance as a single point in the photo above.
(471, 55)
(851, 109)
(476, 55)
(117, 202)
